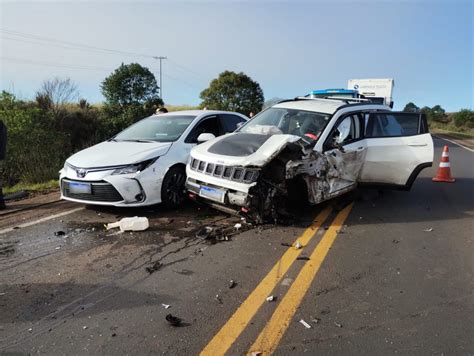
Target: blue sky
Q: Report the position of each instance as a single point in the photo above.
(289, 47)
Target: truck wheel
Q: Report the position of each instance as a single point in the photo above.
(173, 191)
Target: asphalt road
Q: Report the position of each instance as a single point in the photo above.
(379, 272)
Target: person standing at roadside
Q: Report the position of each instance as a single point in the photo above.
(3, 151)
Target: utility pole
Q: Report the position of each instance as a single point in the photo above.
(161, 85)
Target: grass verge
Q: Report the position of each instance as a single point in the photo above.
(36, 187)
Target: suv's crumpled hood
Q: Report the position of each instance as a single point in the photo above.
(239, 149)
(112, 153)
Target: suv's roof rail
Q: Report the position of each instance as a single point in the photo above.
(345, 100)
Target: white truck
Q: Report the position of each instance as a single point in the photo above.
(377, 90)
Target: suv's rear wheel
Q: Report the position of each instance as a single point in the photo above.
(172, 189)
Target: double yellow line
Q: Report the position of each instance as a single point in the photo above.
(270, 336)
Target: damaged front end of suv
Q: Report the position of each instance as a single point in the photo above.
(264, 169)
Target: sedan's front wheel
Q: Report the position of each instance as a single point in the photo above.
(173, 191)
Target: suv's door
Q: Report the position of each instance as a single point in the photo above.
(398, 148)
(345, 151)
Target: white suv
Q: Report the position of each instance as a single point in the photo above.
(311, 148)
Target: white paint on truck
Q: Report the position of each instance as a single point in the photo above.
(374, 88)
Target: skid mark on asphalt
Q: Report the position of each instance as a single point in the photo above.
(271, 335)
(42, 220)
(224, 339)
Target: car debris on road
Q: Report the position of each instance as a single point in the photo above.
(232, 284)
(271, 298)
(155, 267)
(305, 324)
(130, 224)
(173, 320)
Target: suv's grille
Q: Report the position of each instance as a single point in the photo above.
(100, 191)
(236, 174)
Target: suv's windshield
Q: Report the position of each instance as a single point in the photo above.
(161, 128)
(276, 121)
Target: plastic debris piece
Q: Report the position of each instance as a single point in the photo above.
(303, 258)
(59, 233)
(306, 325)
(237, 226)
(218, 298)
(173, 320)
(338, 324)
(166, 306)
(84, 327)
(316, 320)
(271, 298)
(204, 232)
(155, 267)
(428, 230)
(298, 245)
(286, 244)
(130, 224)
(58, 248)
(232, 284)
(255, 353)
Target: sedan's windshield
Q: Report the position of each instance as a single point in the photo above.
(161, 128)
(275, 121)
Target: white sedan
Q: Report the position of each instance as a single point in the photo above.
(145, 163)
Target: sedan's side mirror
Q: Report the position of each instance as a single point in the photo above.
(205, 137)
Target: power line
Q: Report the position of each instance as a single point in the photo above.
(56, 42)
(52, 64)
(48, 41)
(80, 67)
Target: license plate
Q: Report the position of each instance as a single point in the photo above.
(80, 188)
(212, 193)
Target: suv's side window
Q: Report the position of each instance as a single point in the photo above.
(347, 130)
(209, 124)
(392, 124)
(230, 122)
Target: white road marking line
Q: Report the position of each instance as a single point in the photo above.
(39, 221)
(455, 143)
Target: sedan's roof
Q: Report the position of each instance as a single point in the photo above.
(197, 112)
(326, 106)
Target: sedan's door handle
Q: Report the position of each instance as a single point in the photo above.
(414, 144)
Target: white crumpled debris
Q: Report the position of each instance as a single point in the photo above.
(130, 224)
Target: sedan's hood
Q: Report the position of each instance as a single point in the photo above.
(243, 149)
(112, 153)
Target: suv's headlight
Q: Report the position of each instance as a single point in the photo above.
(136, 167)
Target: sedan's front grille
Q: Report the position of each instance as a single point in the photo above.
(236, 174)
(100, 191)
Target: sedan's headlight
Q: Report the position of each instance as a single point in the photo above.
(135, 168)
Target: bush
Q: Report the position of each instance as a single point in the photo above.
(35, 150)
(464, 118)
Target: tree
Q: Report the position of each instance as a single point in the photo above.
(436, 113)
(55, 93)
(233, 92)
(411, 107)
(131, 84)
(464, 119)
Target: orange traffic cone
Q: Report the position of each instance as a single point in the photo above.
(444, 170)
